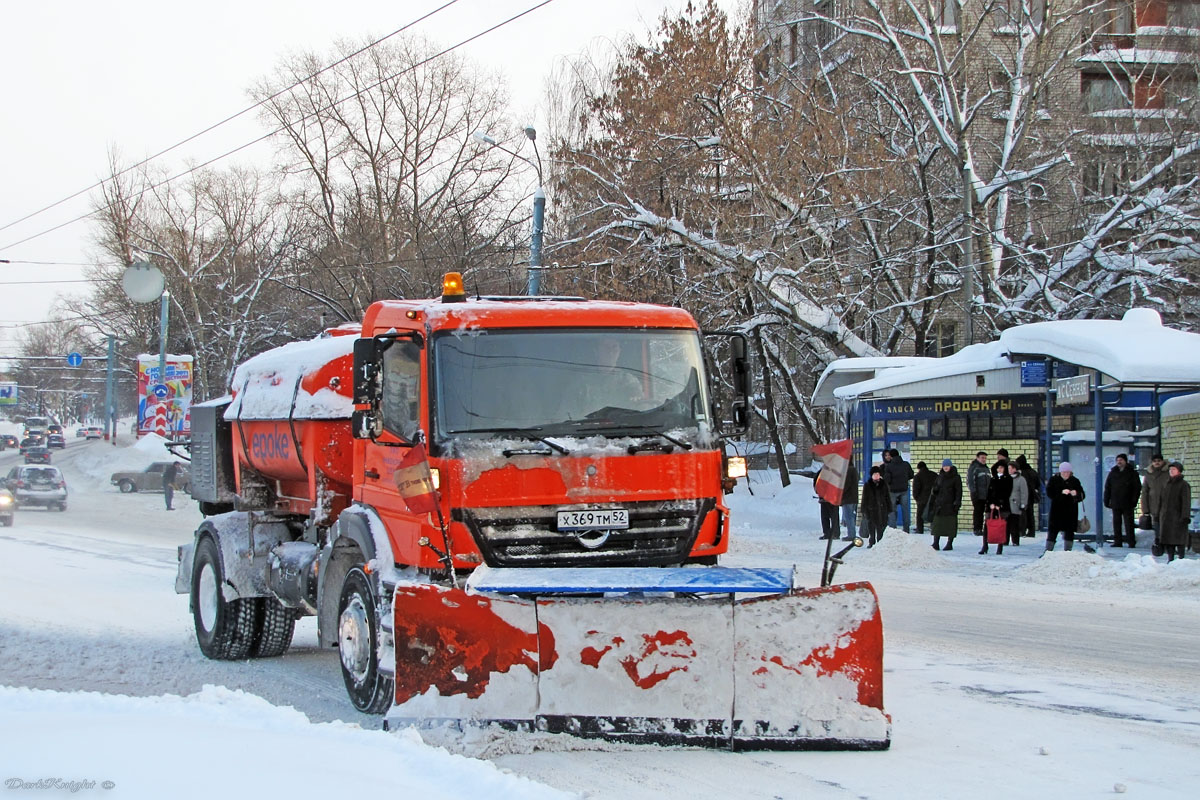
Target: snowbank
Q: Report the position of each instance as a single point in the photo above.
(99, 463)
(1136, 572)
(224, 743)
(899, 550)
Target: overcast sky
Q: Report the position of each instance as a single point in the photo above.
(82, 77)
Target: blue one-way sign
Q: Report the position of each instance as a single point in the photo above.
(74, 360)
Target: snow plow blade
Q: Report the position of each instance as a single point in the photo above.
(713, 657)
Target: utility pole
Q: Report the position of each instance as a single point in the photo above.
(968, 268)
(110, 406)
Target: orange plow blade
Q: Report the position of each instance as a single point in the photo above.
(627, 656)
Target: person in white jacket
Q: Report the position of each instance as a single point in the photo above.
(1018, 501)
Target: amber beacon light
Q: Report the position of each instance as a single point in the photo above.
(452, 288)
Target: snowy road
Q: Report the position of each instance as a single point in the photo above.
(1066, 690)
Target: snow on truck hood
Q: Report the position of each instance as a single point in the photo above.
(264, 386)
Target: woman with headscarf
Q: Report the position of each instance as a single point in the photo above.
(945, 499)
(1065, 493)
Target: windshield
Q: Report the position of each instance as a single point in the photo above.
(569, 382)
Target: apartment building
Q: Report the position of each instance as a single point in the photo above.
(1109, 84)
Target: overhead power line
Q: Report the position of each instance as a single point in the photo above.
(281, 128)
(228, 119)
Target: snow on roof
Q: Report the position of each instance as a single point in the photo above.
(974, 358)
(1185, 404)
(846, 371)
(265, 385)
(1135, 349)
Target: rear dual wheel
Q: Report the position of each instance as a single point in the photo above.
(227, 630)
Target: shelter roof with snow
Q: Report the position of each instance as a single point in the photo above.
(1136, 350)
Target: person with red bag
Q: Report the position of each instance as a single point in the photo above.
(999, 492)
(1065, 493)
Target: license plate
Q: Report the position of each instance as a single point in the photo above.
(594, 519)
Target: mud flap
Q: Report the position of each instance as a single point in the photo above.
(797, 670)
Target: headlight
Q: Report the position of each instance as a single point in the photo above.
(735, 467)
(5, 501)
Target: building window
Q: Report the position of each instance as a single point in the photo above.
(947, 14)
(877, 430)
(793, 43)
(1180, 14)
(1002, 427)
(1062, 422)
(1026, 427)
(1111, 25)
(1106, 177)
(823, 26)
(922, 431)
(957, 428)
(980, 429)
(1104, 92)
(937, 428)
(939, 340)
(901, 426)
(1020, 12)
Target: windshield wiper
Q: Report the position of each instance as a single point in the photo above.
(636, 431)
(527, 433)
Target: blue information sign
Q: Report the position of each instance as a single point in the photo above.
(74, 360)
(1034, 373)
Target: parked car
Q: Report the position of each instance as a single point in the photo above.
(37, 455)
(55, 440)
(37, 486)
(150, 478)
(30, 441)
(10, 440)
(8, 505)
(94, 432)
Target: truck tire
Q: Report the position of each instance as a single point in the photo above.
(126, 486)
(275, 626)
(358, 645)
(225, 629)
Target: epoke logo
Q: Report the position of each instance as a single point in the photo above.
(649, 663)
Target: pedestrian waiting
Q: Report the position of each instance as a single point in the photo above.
(1122, 489)
(876, 502)
(1065, 493)
(922, 485)
(945, 499)
(1176, 513)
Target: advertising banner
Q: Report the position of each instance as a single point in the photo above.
(8, 394)
(165, 403)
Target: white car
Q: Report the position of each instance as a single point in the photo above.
(37, 485)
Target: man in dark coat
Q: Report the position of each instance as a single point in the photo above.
(850, 502)
(1122, 489)
(896, 474)
(1033, 482)
(945, 499)
(1153, 486)
(1176, 511)
(168, 483)
(999, 492)
(829, 513)
(1065, 493)
(922, 485)
(876, 502)
(977, 487)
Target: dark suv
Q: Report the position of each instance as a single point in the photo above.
(37, 486)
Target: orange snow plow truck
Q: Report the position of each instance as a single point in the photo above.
(508, 511)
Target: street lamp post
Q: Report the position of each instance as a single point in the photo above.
(533, 282)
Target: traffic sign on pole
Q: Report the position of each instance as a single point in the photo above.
(161, 391)
(74, 360)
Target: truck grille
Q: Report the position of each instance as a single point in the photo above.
(660, 534)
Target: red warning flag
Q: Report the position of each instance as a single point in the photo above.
(415, 482)
(836, 459)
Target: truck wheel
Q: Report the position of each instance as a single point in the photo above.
(276, 624)
(224, 628)
(358, 645)
(126, 486)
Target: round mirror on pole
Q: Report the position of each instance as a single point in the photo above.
(143, 282)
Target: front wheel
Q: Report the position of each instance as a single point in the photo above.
(358, 645)
(225, 629)
(126, 486)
